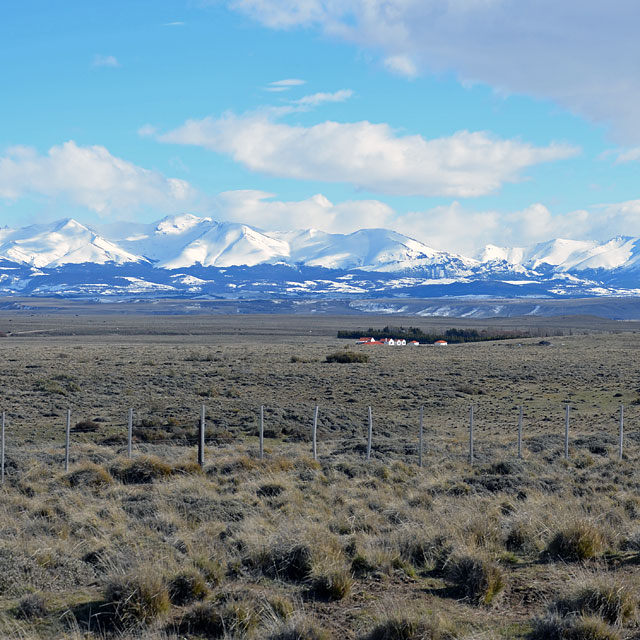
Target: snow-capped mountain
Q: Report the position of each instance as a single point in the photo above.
(191, 256)
(569, 255)
(62, 242)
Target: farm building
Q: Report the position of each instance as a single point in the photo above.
(441, 343)
(414, 343)
(366, 340)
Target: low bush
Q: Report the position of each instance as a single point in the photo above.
(187, 587)
(89, 475)
(136, 599)
(142, 470)
(408, 629)
(346, 357)
(556, 627)
(31, 606)
(207, 620)
(479, 580)
(292, 562)
(610, 601)
(580, 540)
(333, 585)
(299, 630)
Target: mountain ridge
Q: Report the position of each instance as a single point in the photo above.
(188, 255)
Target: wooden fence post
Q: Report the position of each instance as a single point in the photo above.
(420, 439)
(67, 441)
(566, 433)
(261, 432)
(2, 451)
(314, 434)
(370, 438)
(621, 431)
(130, 434)
(201, 440)
(520, 432)
(471, 434)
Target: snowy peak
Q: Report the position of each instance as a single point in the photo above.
(564, 255)
(229, 244)
(58, 243)
(173, 225)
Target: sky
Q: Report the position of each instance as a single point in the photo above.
(459, 123)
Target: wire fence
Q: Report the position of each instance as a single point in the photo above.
(469, 438)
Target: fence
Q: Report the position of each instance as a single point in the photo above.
(198, 438)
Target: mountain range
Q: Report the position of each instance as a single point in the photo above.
(191, 256)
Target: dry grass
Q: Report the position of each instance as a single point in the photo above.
(292, 548)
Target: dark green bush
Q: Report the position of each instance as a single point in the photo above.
(346, 357)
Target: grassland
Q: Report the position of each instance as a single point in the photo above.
(289, 547)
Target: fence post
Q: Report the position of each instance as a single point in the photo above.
(420, 439)
(67, 438)
(520, 432)
(621, 431)
(471, 434)
(261, 432)
(370, 438)
(2, 451)
(130, 433)
(566, 433)
(314, 434)
(201, 440)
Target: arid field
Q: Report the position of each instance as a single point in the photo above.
(288, 547)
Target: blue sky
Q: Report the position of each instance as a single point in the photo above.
(458, 123)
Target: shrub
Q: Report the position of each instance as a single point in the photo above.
(522, 537)
(556, 627)
(299, 630)
(580, 540)
(478, 579)
(89, 475)
(206, 620)
(142, 470)
(407, 629)
(187, 587)
(31, 606)
(211, 569)
(333, 585)
(136, 599)
(291, 562)
(346, 357)
(607, 600)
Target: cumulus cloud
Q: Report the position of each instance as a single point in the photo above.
(105, 61)
(580, 53)
(90, 177)
(451, 227)
(464, 230)
(369, 156)
(259, 209)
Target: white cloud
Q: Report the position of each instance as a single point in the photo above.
(580, 53)
(105, 61)
(174, 24)
(91, 177)
(284, 85)
(316, 99)
(628, 155)
(147, 130)
(260, 209)
(456, 228)
(369, 156)
(402, 65)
